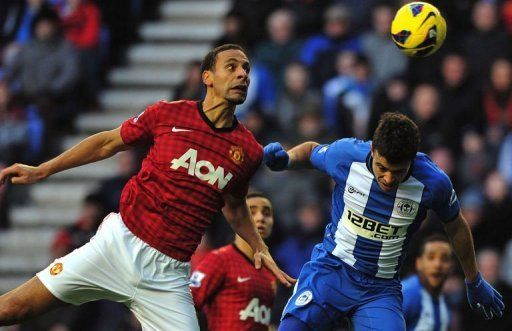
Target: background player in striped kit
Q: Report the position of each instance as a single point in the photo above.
(383, 191)
(424, 305)
(226, 286)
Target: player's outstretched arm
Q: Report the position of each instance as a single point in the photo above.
(239, 217)
(277, 159)
(94, 148)
(481, 295)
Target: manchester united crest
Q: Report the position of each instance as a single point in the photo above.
(56, 269)
(237, 154)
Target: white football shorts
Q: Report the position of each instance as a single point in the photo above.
(116, 265)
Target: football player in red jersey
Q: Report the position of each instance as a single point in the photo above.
(233, 294)
(200, 161)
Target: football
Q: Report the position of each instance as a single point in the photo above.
(418, 29)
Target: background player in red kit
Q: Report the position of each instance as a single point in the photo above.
(199, 162)
(225, 285)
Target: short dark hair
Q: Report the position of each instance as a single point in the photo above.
(396, 138)
(257, 194)
(210, 58)
(437, 237)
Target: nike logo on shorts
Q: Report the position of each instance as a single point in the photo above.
(242, 279)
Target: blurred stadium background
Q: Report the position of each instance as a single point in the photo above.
(322, 69)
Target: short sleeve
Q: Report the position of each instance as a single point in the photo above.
(327, 157)
(140, 129)
(207, 279)
(445, 204)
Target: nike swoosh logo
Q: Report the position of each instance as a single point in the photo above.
(431, 14)
(175, 129)
(242, 279)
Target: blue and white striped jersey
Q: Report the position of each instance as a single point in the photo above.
(370, 229)
(423, 312)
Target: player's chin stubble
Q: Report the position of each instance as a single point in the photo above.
(236, 101)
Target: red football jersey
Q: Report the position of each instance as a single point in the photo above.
(233, 294)
(188, 168)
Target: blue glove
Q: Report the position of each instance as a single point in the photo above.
(275, 157)
(481, 295)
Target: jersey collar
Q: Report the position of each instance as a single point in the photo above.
(210, 124)
(242, 253)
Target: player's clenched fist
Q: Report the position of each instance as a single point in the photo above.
(275, 157)
(481, 295)
(21, 174)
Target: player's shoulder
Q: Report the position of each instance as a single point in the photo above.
(218, 255)
(177, 105)
(248, 139)
(163, 107)
(428, 173)
(348, 149)
(411, 285)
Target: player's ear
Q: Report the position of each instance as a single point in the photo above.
(417, 264)
(207, 78)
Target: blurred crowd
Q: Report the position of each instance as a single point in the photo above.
(321, 70)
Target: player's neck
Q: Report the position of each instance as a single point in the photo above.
(244, 247)
(434, 292)
(219, 111)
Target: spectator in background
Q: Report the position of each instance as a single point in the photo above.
(235, 30)
(290, 190)
(281, 47)
(81, 22)
(385, 58)
(498, 96)
(471, 202)
(475, 162)
(296, 98)
(11, 16)
(347, 97)
(506, 14)
(296, 249)
(310, 126)
(16, 20)
(308, 13)
(487, 41)
(191, 88)
(489, 263)
(393, 95)
(78, 234)
(253, 13)
(505, 159)
(47, 72)
(361, 11)
(460, 101)
(110, 189)
(14, 129)
(32, 9)
(319, 52)
(442, 156)
(424, 111)
(496, 228)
